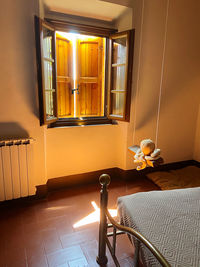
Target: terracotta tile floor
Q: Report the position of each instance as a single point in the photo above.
(40, 233)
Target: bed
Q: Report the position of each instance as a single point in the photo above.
(169, 219)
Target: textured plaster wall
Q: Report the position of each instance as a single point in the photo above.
(18, 90)
(165, 91)
(166, 77)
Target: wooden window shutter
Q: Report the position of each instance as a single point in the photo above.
(46, 63)
(64, 76)
(120, 75)
(90, 68)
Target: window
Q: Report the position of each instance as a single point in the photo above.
(120, 68)
(80, 75)
(84, 73)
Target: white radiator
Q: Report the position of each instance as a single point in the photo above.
(16, 169)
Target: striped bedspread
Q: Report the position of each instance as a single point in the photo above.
(168, 219)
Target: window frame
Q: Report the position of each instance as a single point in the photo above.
(128, 74)
(65, 26)
(91, 120)
(39, 24)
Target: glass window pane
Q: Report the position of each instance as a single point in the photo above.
(48, 75)
(117, 100)
(49, 103)
(118, 78)
(49, 65)
(119, 50)
(47, 43)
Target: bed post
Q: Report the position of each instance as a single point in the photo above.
(102, 258)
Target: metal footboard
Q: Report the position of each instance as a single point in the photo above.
(117, 230)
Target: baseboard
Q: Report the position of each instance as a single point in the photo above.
(55, 184)
(79, 179)
(18, 202)
(70, 181)
(130, 174)
(93, 177)
(172, 166)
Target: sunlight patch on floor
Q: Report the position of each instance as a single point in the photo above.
(94, 216)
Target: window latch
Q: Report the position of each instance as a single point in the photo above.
(75, 89)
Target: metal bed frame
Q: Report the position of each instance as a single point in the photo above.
(118, 230)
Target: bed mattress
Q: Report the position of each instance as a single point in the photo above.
(168, 219)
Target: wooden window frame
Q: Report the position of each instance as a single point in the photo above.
(128, 74)
(58, 25)
(40, 71)
(80, 28)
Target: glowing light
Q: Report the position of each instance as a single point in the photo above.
(74, 72)
(74, 38)
(94, 216)
(70, 36)
(95, 205)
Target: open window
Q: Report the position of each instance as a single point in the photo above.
(46, 71)
(120, 75)
(73, 74)
(80, 75)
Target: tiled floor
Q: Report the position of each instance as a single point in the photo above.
(40, 233)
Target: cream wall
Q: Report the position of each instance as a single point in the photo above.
(124, 21)
(166, 74)
(83, 149)
(57, 152)
(165, 80)
(18, 91)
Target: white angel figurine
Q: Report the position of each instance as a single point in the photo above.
(147, 154)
